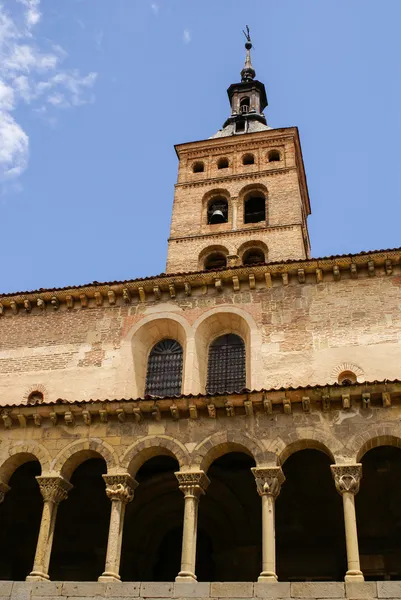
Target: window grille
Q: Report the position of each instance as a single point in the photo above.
(226, 364)
(164, 374)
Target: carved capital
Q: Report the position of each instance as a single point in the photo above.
(4, 488)
(347, 477)
(54, 489)
(120, 487)
(268, 480)
(192, 483)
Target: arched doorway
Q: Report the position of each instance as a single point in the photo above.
(82, 525)
(229, 526)
(20, 516)
(152, 539)
(310, 537)
(378, 511)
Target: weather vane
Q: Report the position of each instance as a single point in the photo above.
(246, 33)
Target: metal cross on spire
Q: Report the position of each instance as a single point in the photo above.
(248, 72)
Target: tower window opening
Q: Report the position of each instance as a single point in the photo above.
(248, 159)
(226, 364)
(244, 105)
(164, 374)
(273, 156)
(222, 163)
(216, 260)
(198, 167)
(217, 211)
(253, 256)
(240, 126)
(347, 378)
(254, 209)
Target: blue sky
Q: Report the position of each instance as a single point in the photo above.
(95, 93)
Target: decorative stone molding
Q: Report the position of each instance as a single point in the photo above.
(345, 366)
(347, 477)
(54, 489)
(268, 480)
(192, 483)
(120, 487)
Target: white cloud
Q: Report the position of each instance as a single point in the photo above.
(32, 74)
(186, 36)
(155, 8)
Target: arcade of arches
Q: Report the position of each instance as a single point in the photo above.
(150, 529)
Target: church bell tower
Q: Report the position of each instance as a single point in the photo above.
(241, 196)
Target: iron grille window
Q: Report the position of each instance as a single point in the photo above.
(226, 364)
(164, 374)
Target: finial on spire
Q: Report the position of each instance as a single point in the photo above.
(248, 72)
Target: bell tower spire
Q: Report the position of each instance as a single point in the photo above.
(247, 99)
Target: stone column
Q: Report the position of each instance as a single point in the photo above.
(268, 484)
(120, 490)
(193, 485)
(53, 490)
(347, 479)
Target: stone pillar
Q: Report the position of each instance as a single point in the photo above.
(193, 485)
(120, 490)
(347, 479)
(268, 484)
(53, 490)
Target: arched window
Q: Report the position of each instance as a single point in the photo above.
(215, 260)
(217, 211)
(198, 167)
(274, 155)
(164, 374)
(346, 378)
(222, 163)
(35, 397)
(244, 105)
(255, 208)
(248, 159)
(226, 364)
(253, 256)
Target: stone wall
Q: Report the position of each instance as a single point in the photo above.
(296, 334)
(55, 590)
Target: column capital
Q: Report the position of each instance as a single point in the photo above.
(120, 487)
(4, 488)
(268, 480)
(192, 483)
(53, 489)
(347, 477)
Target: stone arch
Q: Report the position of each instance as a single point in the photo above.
(312, 440)
(252, 244)
(219, 321)
(19, 454)
(149, 331)
(377, 436)
(346, 366)
(145, 448)
(221, 443)
(38, 387)
(214, 249)
(77, 452)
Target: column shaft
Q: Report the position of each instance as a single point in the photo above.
(193, 485)
(268, 484)
(347, 479)
(120, 490)
(54, 490)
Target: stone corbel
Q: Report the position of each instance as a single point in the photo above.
(7, 420)
(371, 268)
(301, 275)
(103, 415)
(388, 267)
(284, 277)
(336, 273)
(121, 415)
(27, 305)
(386, 399)
(157, 292)
(142, 294)
(41, 304)
(138, 416)
(218, 285)
(193, 411)
(306, 404)
(236, 284)
(319, 275)
(14, 307)
(55, 302)
(171, 289)
(252, 283)
(69, 300)
(98, 298)
(211, 409)
(187, 288)
(156, 414)
(86, 417)
(111, 297)
(175, 413)
(84, 300)
(248, 408)
(287, 406)
(354, 271)
(268, 280)
(126, 296)
(69, 418)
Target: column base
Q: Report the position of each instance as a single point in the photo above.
(267, 576)
(109, 576)
(354, 575)
(37, 576)
(186, 576)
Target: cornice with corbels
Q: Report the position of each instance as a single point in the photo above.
(235, 176)
(322, 399)
(255, 145)
(234, 279)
